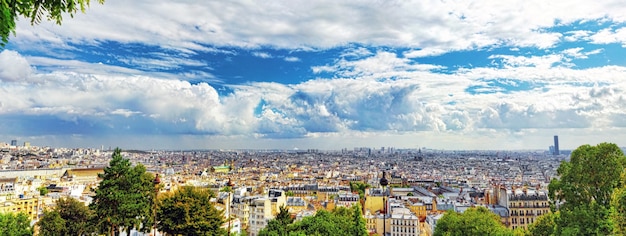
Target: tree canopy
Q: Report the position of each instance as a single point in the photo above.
(15, 224)
(68, 217)
(279, 225)
(584, 190)
(544, 225)
(125, 196)
(51, 224)
(618, 208)
(189, 211)
(36, 10)
(474, 221)
(341, 222)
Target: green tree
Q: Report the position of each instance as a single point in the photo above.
(36, 10)
(618, 208)
(544, 225)
(15, 224)
(474, 221)
(339, 222)
(189, 211)
(72, 215)
(51, 224)
(583, 192)
(278, 226)
(43, 190)
(359, 226)
(124, 198)
(323, 223)
(359, 187)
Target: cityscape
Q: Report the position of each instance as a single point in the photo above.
(422, 183)
(293, 118)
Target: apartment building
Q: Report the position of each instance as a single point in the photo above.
(526, 206)
(260, 214)
(403, 222)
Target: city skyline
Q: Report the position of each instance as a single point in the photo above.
(324, 75)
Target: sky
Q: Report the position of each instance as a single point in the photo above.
(443, 74)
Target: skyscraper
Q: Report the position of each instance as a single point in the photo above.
(556, 145)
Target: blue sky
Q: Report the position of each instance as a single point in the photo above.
(319, 74)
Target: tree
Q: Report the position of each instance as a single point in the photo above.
(278, 226)
(474, 221)
(583, 192)
(189, 211)
(68, 217)
(618, 208)
(359, 226)
(359, 187)
(43, 190)
(124, 198)
(544, 225)
(322, 223)
(15, 224)
(51, 224)
(340, 222)
(35, 10)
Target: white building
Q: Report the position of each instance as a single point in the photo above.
(347, 200)
(260, 214)
(404, 223)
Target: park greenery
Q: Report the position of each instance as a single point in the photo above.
(341, 221)
(474, 221)
(188, 211)
(589, 194)
(12, 224)
(126, 200)
(125, 197)
(68, 217)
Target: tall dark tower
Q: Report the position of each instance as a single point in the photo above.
(383, 183)
(556, 145)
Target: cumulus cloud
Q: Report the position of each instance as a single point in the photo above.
(14, 67)
(444, 26)
(388, 77)
(608, 35)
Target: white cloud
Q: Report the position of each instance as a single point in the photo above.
(606, 36)
(292, 59)
(577, 35)
(424, 53)
(546, 61)
(14, 67)
(409, 105)
(263, 55)
(577, 53)
(436, 27)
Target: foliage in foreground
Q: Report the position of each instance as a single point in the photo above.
(125, 197)
(68, 217)
(15, 224)
(188, 211)
(474, 221)
(340, 222)
(585, 190)
(36, 10)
